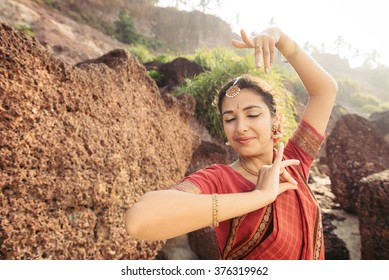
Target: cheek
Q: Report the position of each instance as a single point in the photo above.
(227, 129)
(230, 131)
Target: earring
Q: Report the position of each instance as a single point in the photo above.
(276, 131)
(227, 143)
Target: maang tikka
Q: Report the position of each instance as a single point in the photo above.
(233, 90)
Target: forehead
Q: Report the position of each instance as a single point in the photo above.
(246, 97)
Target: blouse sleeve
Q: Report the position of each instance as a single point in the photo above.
(205, 181)
(304, 145)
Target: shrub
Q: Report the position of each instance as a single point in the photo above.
(224, 65)
(26, 29)
(125, 29)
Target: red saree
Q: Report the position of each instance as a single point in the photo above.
(289, 228)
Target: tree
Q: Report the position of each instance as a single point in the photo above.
(272, 22)
(193, 5)
(125, 29)
(371, 59)
(340, 44)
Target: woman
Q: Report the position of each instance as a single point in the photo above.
(260, 206)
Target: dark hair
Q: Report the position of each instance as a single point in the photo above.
(254, 83)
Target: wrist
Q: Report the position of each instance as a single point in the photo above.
(263, 198)
(288, 48)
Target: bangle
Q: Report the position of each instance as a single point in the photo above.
(215, 210)
(292, 57)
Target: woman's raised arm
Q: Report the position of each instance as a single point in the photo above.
(321, 87)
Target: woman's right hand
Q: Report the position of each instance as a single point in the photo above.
(264, 45)
(274, 179)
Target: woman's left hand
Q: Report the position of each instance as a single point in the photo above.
(264, 45)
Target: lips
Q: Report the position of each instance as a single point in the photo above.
(244, 140)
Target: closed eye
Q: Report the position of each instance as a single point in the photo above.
(253, 116)
(230, 120)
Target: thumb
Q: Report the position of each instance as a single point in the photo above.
(278, 159)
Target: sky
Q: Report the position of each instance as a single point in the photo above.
(361, 23)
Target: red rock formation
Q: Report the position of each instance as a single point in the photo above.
(355, 149)
(373, 212)
(78, 146)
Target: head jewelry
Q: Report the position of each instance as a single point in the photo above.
(233, 90)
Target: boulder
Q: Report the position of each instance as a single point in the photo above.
(78, 146)
(381, 121)
(355, 149)
(373, 212)
(174, 72)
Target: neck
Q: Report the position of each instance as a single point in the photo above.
(253, 164)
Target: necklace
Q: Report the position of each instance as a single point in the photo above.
(248, 169)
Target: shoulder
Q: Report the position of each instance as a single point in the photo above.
(306, 139)
(212, 171)
(206, 180)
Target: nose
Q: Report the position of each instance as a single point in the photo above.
(242, 126)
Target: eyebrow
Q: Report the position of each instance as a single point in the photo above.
(244, 109)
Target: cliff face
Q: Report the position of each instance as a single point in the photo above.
(78, 146)
(180, 30)
(61, 31)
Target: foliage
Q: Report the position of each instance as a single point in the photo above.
(360, 99)
(352, 95)
(205, 5)
(385, 106)
(125, 29)
(141, 52)
(224, 65)
(26, 29)
(164, 58)
(156, 76)
(126, 32)
(50, 3)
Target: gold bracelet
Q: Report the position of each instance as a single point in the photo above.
(292, 57)
(215, 210)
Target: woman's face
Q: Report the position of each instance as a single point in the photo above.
(247, 123)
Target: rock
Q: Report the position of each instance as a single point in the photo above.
(65, 38)
(335, 247)
(177, 248)
(78, 146)
(355, 149)
(381, 121)
(373, 212)
(176, 71)
(347, 229)
(62, 26)
(204, 243)
(209, 153)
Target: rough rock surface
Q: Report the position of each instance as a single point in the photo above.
(66, 39)
(72, 41)
(373, 212)
(355, 149)
(381, 121)
(176, 71)
(78, 146)
(204, 244)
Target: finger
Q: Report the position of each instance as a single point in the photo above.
(278, 158)
(289, 162)
(246, 39)
(239, 44)
(272, 50)
(288, 178)
(286, 186)
(266, 57)
(258, 56)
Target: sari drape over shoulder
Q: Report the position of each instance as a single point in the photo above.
(288, 228)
